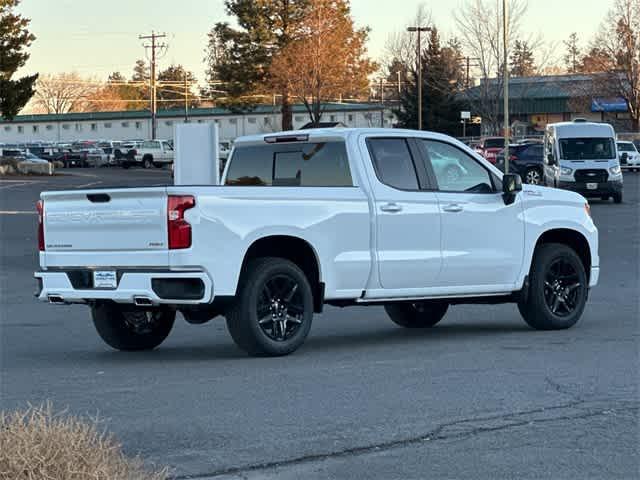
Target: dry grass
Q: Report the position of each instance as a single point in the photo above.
(36, 444)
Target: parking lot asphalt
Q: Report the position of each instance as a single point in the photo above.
(479, 396)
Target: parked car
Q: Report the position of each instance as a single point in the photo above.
(69, 158)
(525, 160)
(402, 235)
(109, 148)
(628, 155)
(489, 147)
(581, 156)
(125, 154)
(154, 153)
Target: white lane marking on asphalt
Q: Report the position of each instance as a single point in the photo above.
(88, 184)
(88, 175)
(12, 185)
(17, 212)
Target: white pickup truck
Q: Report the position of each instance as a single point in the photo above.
(329, 216)
(151, 153)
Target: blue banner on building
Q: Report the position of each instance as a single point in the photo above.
(608, 105)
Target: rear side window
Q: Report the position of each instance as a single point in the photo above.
(323, 164)
(393, 162)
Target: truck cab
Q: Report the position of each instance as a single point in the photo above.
(582, 156)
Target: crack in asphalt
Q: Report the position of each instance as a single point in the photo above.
(445, 431)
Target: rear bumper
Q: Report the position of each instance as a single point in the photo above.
(154, 287)
(604, 188)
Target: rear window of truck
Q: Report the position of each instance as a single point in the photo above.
(323, 164)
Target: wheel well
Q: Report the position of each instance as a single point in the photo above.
(297, 251)
(572, 239)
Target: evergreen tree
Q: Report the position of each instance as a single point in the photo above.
(240, 57)
(573, 55)
(172, 91)
(522, 62)
(14, 39)
(442, 79)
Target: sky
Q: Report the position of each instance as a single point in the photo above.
(97, 37)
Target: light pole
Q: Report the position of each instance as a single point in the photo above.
(419, 60)
(505, 71)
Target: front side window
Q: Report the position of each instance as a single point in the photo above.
(586, 148)
(322, 164)
(455, 171)
(393, 162)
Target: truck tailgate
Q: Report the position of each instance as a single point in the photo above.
(110, 220)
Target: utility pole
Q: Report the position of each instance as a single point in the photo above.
(419, 60)
(505, 71)
(153, 46)
(186, 98)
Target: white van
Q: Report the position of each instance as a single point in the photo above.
(582, 156)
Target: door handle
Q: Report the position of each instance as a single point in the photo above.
(391, 207)
(453, 207)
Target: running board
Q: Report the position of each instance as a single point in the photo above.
(434, 297)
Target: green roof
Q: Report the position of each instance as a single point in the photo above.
(179, 112)
(544, 94)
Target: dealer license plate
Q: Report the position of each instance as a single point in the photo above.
(105, 279)
(592, 186)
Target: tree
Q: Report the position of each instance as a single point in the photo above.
(617, 53)
(175, 87)
(240, 58)
(443, 80)
(129, 95)
(521, 62)
(327, 60)
(573, 55)
(140, 72)
(479, 25)
(63, 93)
(14, 39)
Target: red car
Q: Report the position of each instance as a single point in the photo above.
(489, 147)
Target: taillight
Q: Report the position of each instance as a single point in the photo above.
(40, 209)
(178, 228)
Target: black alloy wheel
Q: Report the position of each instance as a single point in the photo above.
(562, 288)
(280, 307)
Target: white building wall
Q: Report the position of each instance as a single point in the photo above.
(231, 126)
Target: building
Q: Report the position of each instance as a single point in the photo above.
(125, 125)
(536, 101)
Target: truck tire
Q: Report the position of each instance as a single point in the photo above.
(558, 288)
(273, 310)
(423, 314)
(147, 161)
(128, 328)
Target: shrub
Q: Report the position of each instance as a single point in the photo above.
(37, 444)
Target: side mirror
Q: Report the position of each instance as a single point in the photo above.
(550, 159)
(511, 185)
(624, 158)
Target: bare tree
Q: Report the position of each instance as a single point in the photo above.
(401, 46)
(62, 93)
(619, 44)
(479, 24)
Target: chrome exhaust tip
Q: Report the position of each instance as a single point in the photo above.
(55, 299)
(142, 301)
